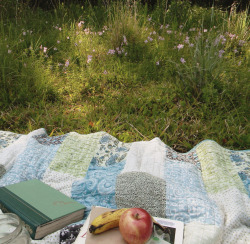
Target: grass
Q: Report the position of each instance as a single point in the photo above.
(178, 73)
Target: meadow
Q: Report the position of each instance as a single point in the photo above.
(177, 72)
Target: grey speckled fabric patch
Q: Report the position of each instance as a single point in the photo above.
(142, 190)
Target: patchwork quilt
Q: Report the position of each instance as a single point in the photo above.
(208, 188)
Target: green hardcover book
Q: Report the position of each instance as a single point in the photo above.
(42, 208)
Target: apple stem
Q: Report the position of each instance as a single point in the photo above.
(137, 216)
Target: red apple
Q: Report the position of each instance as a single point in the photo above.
(136, 226)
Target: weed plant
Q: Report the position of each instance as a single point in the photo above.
(178, 72)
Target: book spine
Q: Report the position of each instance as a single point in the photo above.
(31, 217)
(31, 228)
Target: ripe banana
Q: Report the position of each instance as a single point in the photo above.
(106, 221)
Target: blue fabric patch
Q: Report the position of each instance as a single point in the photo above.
(186, 196)
(98, 186)
(242, 162)
(32, 163)
(3, 143)
(111, 151)
(246, 181)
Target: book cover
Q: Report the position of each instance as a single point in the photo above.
(113, 236)
(42, 208)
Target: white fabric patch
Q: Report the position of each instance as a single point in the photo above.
(148, 157)
(197, 233)
(10, 153)
(60, 181)
(236, 208)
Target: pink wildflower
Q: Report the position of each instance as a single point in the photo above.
(183, 60)
(180, 46)
(232, 36)
(150, 39)
(89, 58)
(125, 40)
(87, 31)
(111, 51)
(187, 39)
(241, 42)
(67, 63)
(220, 53)
(80, 24)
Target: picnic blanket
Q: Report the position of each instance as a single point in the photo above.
(208, 188)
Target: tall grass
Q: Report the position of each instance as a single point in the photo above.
(177, 72)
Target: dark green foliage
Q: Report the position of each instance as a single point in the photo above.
(52, 4)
